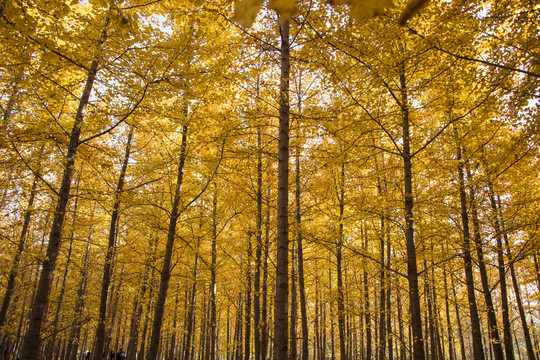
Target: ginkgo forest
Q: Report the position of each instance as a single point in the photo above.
(286, 180)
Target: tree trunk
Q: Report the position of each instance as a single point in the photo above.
(293, 351)
(14, 269)
(247, 314)
(264, 313)
(147, 319)
(113, 310)
(239, 327)
(339, 263)
(213, 305)
(388, 299)
(111, 249)
(517, 292)
(300, 258)
(491, 315)
(50, 351)
(402, 355)
(478, 350)
(458, 320)
(190, 317)
(367, 310)
(318, 316)
(172, 347)
(382, 278)
(448, 321)
(412, 270)
(73, 343)
(258, 252)
(166, 269)
(32, 338)
(282, 262)
(507, 332)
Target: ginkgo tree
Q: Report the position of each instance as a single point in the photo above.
(227, 180)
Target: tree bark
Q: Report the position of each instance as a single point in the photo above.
(32, 338)
(14, 269)
(111, 249)
(517, 292)
(213, 305)
(247, 314)
(412, 269)
(73, 343)
(389, 310)
(491, 315)
(478, 350)
(264, 312)
(367, 311)
(448, 320)
(282, 261)
(300, 258)
(50, 350)
(190, 317)
(458, 320)
(166, 269)
(339, 271)
(501, 267)
(258, 252)
(293, 350)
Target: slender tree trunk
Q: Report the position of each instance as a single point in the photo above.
(113, 310)
(389, 310)
(213, 305)
(282, 262)
(203, 336)
(383, 276)
(507, 332)
(339, 263)
(264, 313)
(458, 320)
(32, 338)
(367, 309)
(293, 352)
(190, 317)
(448, 320)
(166, 270)
(111, 249)
(258, 253)
(402, 355)
(300, 258)
(172, 347)
(49, 352)
(131, 352)
(317, 350)
(73, 343)
(478, 350)
(491, 315)
(247, 314)
(412, 270)
(331, 306)
(382, 299)
(143, 351)
(517, 293)
(14, 269)
(238, 354)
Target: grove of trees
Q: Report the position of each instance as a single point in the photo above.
(203, 180)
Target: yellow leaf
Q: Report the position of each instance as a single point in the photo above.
(285, 8)
(361, 9)
(246, 11)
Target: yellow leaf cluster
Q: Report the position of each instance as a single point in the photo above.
(246, 10)
(362, 9)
